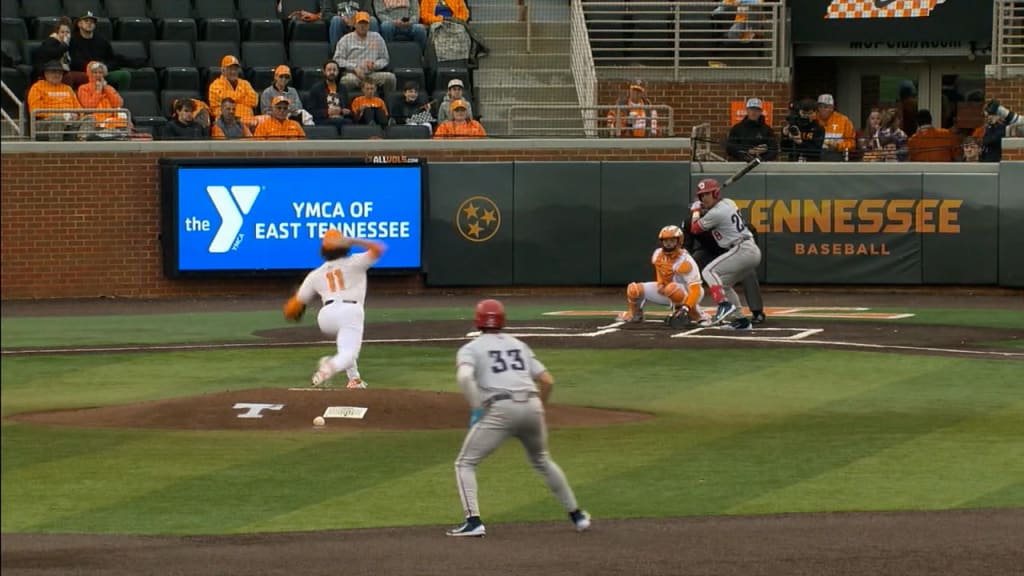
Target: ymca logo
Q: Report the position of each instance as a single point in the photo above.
(231, 206)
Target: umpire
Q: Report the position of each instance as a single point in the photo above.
(704, 249)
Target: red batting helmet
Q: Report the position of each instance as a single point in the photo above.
(709, 185)
(490, 314)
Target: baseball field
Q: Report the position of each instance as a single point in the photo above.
(850, 434)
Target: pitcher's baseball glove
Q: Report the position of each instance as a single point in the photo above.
(294, 309)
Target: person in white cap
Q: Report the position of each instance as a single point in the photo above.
(455, 92)
(840, 137)
(752, 137)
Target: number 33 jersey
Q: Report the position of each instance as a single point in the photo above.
(339, 279)
(726, 224)
(501, 363)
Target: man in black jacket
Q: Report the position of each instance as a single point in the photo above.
(752, 137)
(802, 137)
(86, 46)
(328, 100)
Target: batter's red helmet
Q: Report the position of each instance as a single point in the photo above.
(490, 314)
(709, 185)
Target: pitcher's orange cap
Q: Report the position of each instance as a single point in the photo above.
(332, 239)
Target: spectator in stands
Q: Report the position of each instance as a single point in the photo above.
(202, 113)
(461, 125)
(742, 27)
(345, 20)
(369, 108)
(1000, 122)
(97, 93)
(229, 85)
(278, 125)
(931, 144)
(52, 93)
(411, 106)
(632, 116)
(329, 101)
(451, 18)
(908, 107)
(400, 20)
(972, 149)
(54, 49)
(363, 54)
(227, 125)
(890, 127)
(87, 46)
(280, 87)
(435, 11)
(455, 92)
(183, 125)
(882, 124)
(752, 137)
(802, 136)
(840, 136)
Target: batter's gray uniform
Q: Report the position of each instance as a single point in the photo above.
(505, 368)
(741, 256)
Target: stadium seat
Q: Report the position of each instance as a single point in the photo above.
(40, 8)
(263, 54)
(180, 29)
(208, 56)
(14, 29)
(135, 28)
(126, 9)
(10, 9)
(145, 108)
(43, 25)
(447, 71)
(407, 132)
(11, 50)
(221, 30)
(28, 49)
(75, 8)
(264, 30)
(306, 60)
(406, 62)
(299, 31)
(167, 98)
(161, 9)
(167, 54)
(216, 9)
(361, 132)
(321, 132)
(144, 77)
(180, 78)
(289, 6)
(253, 9)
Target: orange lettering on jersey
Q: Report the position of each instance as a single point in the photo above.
(335, 280)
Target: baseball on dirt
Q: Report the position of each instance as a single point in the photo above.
(319, 421)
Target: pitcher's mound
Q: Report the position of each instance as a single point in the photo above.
(294, 409)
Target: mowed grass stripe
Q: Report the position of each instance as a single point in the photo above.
(948, 468)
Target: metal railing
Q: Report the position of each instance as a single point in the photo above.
(583, 72)
(558, 121)
(81, 123)
(701, 141)
(17, 127)
(676, 35)
(1008, 36)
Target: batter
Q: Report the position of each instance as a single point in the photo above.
(499, 375)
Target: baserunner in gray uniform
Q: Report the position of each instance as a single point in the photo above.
(741, 256)
(499, 376)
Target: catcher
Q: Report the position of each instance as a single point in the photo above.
(341, 283)
(677, 283)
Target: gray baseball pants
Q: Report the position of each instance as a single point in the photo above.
(504, 418)
(731, 267)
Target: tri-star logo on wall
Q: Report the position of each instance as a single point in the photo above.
(478, 219)
(870, 9)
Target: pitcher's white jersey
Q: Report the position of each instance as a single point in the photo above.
(340, 279)
(726, 224)
(501, 363)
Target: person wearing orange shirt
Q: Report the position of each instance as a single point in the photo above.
(230, 85)
(931, 144)
(460, 126)
(278, 125)
(840, 137)
(369, 108)
(52, 93)
(98, 94)
(434, 11)
(633, 116)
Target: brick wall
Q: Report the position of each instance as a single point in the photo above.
(88, 224)
(698, 102)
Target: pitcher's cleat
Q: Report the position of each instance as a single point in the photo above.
(323, 373)
(356, 384)
(580, 519)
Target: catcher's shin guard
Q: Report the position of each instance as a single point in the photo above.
(675, 293)
(634, 297)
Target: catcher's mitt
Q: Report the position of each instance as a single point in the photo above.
(294, 309)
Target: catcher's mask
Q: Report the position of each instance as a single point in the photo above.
(490, 314)
(670, 238)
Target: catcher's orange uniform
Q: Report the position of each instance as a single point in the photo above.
(677, 283)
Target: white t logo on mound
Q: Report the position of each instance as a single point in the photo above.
(231, 206)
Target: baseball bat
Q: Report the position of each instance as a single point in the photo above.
(742, 172)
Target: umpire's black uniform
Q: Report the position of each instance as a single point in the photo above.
(704, 249)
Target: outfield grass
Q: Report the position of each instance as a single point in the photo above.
(736, 432)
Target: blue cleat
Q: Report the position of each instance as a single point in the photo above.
(725, 309)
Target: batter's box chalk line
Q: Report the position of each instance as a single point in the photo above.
(754, 334)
